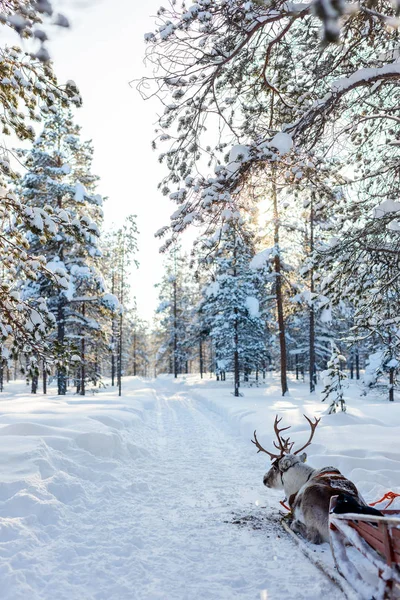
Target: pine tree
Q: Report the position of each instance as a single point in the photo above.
(29, 90)
(231, 307)
(334, 379)
(52, 184)
(119, 250)
(326, 121)
(138, 344)
(174, 312)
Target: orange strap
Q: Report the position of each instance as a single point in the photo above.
(388, 496)
(284, 505)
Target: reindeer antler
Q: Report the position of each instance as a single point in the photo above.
(284, 445)
(313, 428)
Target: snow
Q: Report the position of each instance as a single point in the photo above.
(326, 314)
(386, 207)
(362, 76)
(282, 142)
(372, 367)
(237, 156)
(253, 306)
(212, 289)
(80, 192)
(261, 259)
(111, 301)
(151, 496)
(136, 498)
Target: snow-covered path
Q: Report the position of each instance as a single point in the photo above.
(158, 523)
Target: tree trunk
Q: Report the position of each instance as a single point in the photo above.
(113, 336)
(175, 333)
(391, 385)
(278, 289)
(134, 355)
(83, 357)
(120, 337)
(34, 383)
(357, 363)
(236, 356)
(120, 356)
(201, 357)
(312, 312)
(44, 376)
(61, 371)
(1, 376)
(96, 366)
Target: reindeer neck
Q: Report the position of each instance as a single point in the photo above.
(295, 477)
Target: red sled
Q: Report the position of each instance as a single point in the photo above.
(376, 540)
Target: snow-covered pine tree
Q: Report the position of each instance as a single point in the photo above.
(250, 109)
(282, 131)
(119, 250)
(231, 304)
(333, 378)
(383, 365)
(55, 165)
(29, 90)
(138, 342)
(199, 332)
(361, 269)
(174, 314)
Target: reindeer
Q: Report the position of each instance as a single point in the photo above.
(308, 490)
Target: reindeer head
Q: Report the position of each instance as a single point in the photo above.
(285, 460)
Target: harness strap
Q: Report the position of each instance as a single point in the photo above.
(282, 502)
(388, 496)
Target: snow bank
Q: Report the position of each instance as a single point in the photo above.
(56, 453)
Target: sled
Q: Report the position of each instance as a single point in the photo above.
(327, 569)
(376, 541)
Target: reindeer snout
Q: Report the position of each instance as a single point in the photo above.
(265, 480)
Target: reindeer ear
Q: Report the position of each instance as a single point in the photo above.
(303, 457)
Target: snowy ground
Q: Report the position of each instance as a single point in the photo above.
(159, 495)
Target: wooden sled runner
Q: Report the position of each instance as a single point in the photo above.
(377, 539)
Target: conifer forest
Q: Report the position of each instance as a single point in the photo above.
(199, 240)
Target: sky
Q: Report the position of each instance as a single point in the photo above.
(102, 52)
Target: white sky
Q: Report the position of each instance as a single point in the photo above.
(102, 52)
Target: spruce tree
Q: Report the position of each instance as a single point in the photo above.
(55, 165)
(174, 312)
(29, 90)
(334, 378)
(119, 250)
(231, 306)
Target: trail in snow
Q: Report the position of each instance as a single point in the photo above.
(157, 523)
